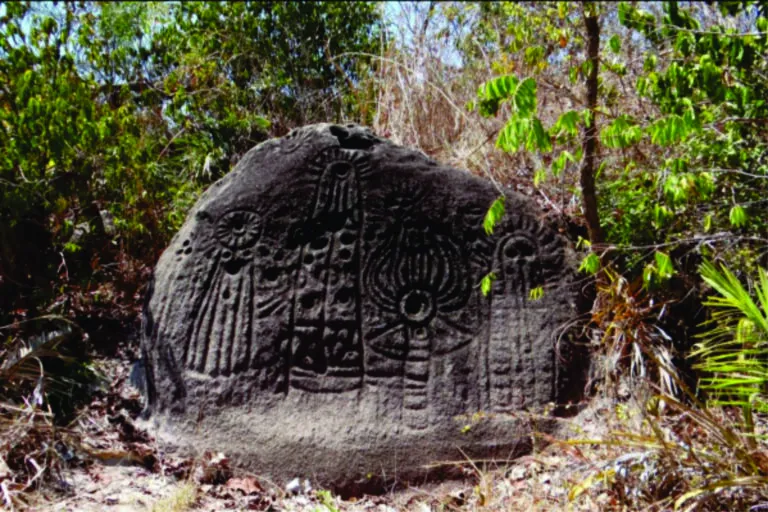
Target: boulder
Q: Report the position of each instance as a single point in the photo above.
(319, 315)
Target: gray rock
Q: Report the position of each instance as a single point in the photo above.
(319, 316)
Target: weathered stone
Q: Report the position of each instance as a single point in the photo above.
(319, 315)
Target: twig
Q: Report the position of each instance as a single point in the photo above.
(162, 153)
(43, 317)
(714, 238)
(546, 198)
(63, 264)
(737, 171)
(7, 499)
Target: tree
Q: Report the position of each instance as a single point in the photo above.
(113, 117)
(589, 134)
(692, 125)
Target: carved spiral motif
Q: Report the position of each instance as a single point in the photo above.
(238, 229)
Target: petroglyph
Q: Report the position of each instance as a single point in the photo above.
(327, 292)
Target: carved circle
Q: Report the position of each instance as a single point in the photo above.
(518, 246)
(238, 229)
(417, 306)
(340, 169)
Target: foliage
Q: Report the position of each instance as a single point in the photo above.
(692, 455)
(113, 117)
(682, 176)
(682, 153)
(44, 380)
(632, 338)
(43, 358)
(732, 353)
(711, 101)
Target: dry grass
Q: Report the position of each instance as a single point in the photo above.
(182, 498)
(420, 98)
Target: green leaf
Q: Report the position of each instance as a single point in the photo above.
(573, 74)
(538, 177)
(590, 264)
(487, 283)
(641, 86)
(648, 272)
(601, 168)
(558, 165)
(514, 134)
(567, 124)
(673, 129)
(664, 266)
(500, 88)
(650, 62)
(733, 350)
(540, 137)
(536, 293)
(737, 216)
(525, 97)
(262, 122)
(71, 247)
(661, 214)
(708, 222)
(494, 215)
(622, 132)
(615, 43)
(583, 243)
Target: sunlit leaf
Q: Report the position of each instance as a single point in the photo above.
(737, 216)
(583, 243)
(708, 222)
(664, 265)
(614, 43)
(487, 283)
(494, 215)
(525, 97)
(499, 88)
(540, 137)
(514, 134)
(567, 124)
(590, 264)
(536, 293)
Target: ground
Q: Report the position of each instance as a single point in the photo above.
(117, 467)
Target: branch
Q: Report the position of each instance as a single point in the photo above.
(162, 153)
(737, 171)
(719, 237)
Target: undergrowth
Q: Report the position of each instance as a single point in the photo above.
(44, 380)
(688, 448)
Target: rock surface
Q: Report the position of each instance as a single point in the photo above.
(319, 315)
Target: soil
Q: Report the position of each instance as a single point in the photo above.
(117, 467)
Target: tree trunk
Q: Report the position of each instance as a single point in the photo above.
(589, 135)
